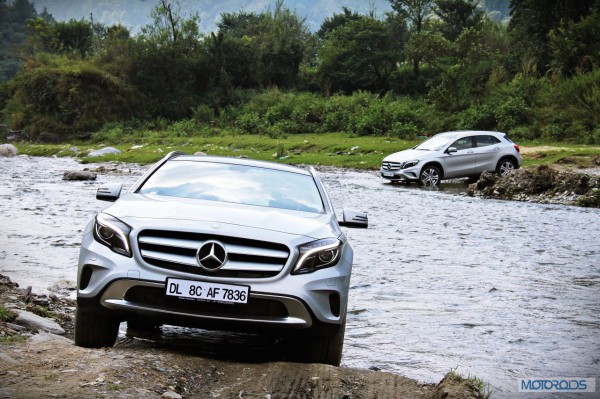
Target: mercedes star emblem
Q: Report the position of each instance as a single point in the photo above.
(211, 255)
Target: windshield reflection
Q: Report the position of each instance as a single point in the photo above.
(240, 184)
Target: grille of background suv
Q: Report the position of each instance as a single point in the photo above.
(177, 251)
(390, 165)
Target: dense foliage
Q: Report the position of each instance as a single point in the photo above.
(425, 66)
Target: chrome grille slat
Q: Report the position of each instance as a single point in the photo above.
(171, 242)
(271, 253)
(173, 258)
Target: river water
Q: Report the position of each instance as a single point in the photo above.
(500, 290)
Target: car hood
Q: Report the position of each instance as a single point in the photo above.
(409, 155)
(150, 211)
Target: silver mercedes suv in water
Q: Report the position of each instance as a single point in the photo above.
(218, 243)
(453, 155)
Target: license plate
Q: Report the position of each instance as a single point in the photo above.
(207, 292)
(388, 174)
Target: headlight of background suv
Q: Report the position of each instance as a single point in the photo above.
(318, 255)
(409, 164)
(113, 233)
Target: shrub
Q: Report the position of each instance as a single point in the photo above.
(184, 128)
(249, 122)
(512, 113)
(203, 114)
(476, 117)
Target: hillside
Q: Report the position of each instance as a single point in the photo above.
(134, 13)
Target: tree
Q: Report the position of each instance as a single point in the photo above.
(13, 32)
(167, 59)
(259, 50)
(532, 20)
(458, 15)
(360, 55)
(330, 24)
(574, 46)
(415, 11)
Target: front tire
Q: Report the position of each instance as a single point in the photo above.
(430, 176)
(95, 331)
(327, 349)
(505, 166)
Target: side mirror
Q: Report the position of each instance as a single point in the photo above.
(109, 192)
(352, 218)
(451, 150)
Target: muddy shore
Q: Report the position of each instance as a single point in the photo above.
(38, 363)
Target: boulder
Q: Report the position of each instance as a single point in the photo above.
(79, 175)
(31, 320)
(104, 151)
(8, 150)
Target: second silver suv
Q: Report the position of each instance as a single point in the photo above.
(453, 155)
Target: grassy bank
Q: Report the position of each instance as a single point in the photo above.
(328, 149)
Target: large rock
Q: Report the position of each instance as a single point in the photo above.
(8, 150)
(36, 322)
(104, 151)
(79, 175)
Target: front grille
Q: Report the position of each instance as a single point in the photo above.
(255, 308)
(177, 251)
(386, 165)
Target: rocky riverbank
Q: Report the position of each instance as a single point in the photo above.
(38, 359)
(542, 184)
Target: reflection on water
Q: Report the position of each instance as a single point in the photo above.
(500, 290)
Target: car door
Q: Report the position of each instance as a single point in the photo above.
(487, 150)
(461, 163)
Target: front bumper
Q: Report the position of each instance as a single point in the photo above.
(408, 174)
(130, 289)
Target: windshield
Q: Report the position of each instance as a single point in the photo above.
(239, 184)
(435, 143)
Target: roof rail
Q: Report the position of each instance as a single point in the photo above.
(173, 154)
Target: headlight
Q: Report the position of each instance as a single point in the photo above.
(113, 233)
(409, 164)
(318, 255)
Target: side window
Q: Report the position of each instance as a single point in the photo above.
(484, 141)
(463, 144)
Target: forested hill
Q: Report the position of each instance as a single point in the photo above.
(135, 13)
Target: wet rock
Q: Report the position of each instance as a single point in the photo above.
(49, 337)
(171, 395)
(62, 286)
(542, 184)
(8, 150)
(36, 322)
(16, 327)
(104, 151)
(73, 175)
(7, 359)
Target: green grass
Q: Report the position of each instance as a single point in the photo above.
(331, 149)
(7, 314)
(544, 153)
(485, 389)
(9, 339)
(328, 149)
